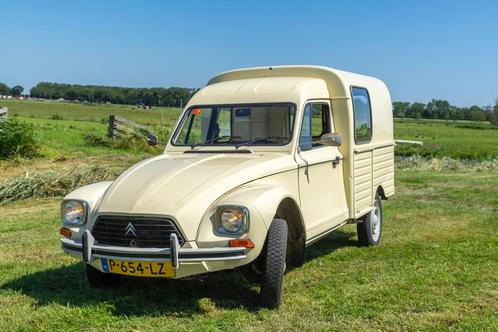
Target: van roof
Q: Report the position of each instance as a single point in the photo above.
(262, 89)
(282, 83)
(322, 72)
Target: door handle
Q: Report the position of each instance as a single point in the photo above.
(336, 161)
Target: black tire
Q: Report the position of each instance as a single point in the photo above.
(274, 264)
(370, 229)
(98, 279)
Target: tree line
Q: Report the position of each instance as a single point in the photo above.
(15, 91)
(177, 97)
(442, 109)
(172, 97)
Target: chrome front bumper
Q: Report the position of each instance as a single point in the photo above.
(89, 250)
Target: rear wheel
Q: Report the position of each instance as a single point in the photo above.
(370, 230)
(274, 264)
(98, 279)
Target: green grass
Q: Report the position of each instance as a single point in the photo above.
(458, 140)
(64, 138)
(60, 126)
(89, 112)
(435, 269)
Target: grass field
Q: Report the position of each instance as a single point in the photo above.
(454, 139)
(89, 112)
(436, 268)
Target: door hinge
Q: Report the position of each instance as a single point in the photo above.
(336, 161)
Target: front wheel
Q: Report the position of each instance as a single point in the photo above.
(370, 230)
(274, 264)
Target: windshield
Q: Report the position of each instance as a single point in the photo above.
(241, 125)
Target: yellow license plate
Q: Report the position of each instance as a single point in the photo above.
(138, 268)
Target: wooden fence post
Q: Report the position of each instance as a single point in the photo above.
(111, 128)
(119, 126)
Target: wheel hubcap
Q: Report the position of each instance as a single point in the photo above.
(375, 222)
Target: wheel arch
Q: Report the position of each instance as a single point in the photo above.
(381, 193)
(289, 210)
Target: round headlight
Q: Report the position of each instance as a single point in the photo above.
(73, 213)
(232, 219)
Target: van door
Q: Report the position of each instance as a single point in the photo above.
(363, 153)
(320, 176)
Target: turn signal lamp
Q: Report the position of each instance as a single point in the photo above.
(246, 243)
(65, 232)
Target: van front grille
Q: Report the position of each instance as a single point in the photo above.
(135, 231)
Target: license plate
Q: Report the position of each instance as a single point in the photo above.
(136, 268)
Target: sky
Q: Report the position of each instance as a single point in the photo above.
(420, 49)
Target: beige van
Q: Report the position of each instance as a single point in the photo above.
(263, 162)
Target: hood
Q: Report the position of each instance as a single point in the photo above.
(184, 185)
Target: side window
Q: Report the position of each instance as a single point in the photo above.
(305, 139)
(362, 115)
(316, 122)
(320, 120)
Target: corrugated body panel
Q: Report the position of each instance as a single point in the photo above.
(372, 169)
(383, 169)
(362, 181)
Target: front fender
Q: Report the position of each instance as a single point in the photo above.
(262, 198)
(91, 194)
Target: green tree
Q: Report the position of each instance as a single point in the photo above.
(415, 111)
(494, 118)
(4, 89)
(16, 91)
(400, 109)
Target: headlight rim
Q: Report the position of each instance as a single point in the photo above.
(219, 225)
(85, 212)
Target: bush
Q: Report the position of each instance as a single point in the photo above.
(57, 117)
(17, 140)
(96, 140)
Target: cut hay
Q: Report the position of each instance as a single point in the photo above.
(438, 164)
(51, 184)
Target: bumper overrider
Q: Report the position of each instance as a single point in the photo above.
(175, 254)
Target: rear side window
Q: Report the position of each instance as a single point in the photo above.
(362, 115)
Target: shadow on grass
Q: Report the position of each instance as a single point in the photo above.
(335, 240)
(67, 285)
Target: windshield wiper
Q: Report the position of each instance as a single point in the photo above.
(260, 139)
(212, 140)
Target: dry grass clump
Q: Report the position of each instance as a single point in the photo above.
(133, 141)
(50, 183)
(444, 163)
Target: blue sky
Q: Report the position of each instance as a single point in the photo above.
(421, 49)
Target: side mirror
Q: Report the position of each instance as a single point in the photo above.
(152, 139)
(331, 139)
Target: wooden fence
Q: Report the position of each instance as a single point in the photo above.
(119, 126)
(404, 141)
